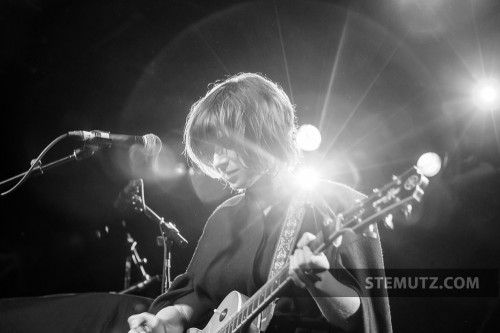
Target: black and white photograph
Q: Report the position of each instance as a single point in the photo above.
(302, 166)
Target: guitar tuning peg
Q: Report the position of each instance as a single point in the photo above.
(388, 222)
(370, 232)
(396, 180)
(337, 242)
(327, 221)
(407, 211)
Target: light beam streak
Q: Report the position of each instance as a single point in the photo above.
(283, 53)
(333, 73)
(361, 100)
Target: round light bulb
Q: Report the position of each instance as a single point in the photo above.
(308, 137)
(429, 164)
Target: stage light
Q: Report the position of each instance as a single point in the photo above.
(308, 137)
(165, 166)
(487, 94)
(429, 164)
(180, 169)
(307, 177)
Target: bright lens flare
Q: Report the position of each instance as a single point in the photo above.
(308, 138)
(487, 94)
(307, 177)
(429, 164)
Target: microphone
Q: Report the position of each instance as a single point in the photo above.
(151, 143)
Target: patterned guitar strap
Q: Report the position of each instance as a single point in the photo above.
(284, 248)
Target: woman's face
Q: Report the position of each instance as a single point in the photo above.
(233, 170)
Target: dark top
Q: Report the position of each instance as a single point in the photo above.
(237, 246)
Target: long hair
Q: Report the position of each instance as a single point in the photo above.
(249, 114)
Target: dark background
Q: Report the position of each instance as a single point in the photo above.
(385, 81)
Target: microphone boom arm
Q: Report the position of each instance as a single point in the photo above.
(167, 228)
(36, 164)
(78, 154)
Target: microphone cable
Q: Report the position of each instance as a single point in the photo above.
(34, 163)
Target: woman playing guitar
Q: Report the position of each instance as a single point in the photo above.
(243, 133)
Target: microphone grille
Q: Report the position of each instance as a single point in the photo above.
(152, 144)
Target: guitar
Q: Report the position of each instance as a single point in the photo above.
(236, 311)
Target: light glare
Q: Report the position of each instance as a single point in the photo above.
(487, 95)
(307, 177)
(308, 137)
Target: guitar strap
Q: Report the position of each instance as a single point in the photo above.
(284, 248)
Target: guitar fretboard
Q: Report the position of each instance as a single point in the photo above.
(255, 304)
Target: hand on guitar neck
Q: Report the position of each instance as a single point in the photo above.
(309, 270)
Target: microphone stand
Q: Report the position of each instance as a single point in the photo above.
(139, 262)
(133, 195)
(169, 235)
(77, 155)
(167, 261)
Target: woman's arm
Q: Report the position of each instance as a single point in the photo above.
(171, 319)
(338, 303)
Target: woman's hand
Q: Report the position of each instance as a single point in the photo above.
(171, 319)
(337, 302)
(304, 264)
(145, 323)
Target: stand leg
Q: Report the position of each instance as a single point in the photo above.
(128, 271)
(167, 264)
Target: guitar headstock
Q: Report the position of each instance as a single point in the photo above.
(132, 196)
(396, 197)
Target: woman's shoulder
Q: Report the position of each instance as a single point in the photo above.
(220, 222)
(231, 202)
(226, 209)
(336, 188)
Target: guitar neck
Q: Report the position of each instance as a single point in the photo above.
(395, 196)
(268, 292)
(258, 302)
